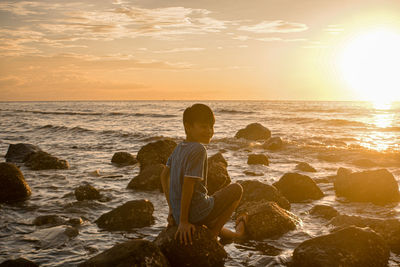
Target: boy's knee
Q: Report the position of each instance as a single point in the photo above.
(237, 190)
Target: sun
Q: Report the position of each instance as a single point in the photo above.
(370, 64)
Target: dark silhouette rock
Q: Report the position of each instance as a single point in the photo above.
(75, 221)
(123, 159)
(20, 262)
(254, 159)
(266, 219)
(273, 143)
(254, 191)
(389, 229)
(20, 152)
(155, 153)
(132, 214)
(217, 174)
(86, 192)
(324, 211)
(343, 172)
(305, 167)
(218, 157)
(205, 250)
(250, 173)
(254, 131)
(13, 186)
(298, 188)
(377, 186)
(44, 161)
(139, 252)
(351, 246)
(148, 178)
(52, 220)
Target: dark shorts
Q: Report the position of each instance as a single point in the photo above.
(223, 199)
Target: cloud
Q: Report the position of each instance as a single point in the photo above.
(276, 26)
(267, 39)
(183, 49)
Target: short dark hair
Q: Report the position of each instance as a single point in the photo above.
(198, 113)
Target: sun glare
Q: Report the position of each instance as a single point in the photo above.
(370, 64)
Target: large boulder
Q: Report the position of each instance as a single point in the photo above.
(155, 153)
(388, 228)
(377, 186)
(324, 211)
(255, 159)
(273, 143)
(20, 262)
(44, 161)
(205, 250)
(20, 152)
(305, 167)
(123, 159)
(13, 186)
(266, 219)
(350, 246)
(137, 252)
(298, 188)
(217, 174)
(132, 214)
(254, 191)
(254, 131)
(148, 178)
(86, 192)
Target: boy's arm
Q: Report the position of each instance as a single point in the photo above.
(164, 177)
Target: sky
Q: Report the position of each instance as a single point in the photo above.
(182, 50)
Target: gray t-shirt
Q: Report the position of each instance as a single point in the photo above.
(189, 159)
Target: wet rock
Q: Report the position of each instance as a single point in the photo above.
(20, 262)
(377, 186)
(44, 161)
(205, 250)
(52, 220)
(155, 153)
(254, 159)
(324, 211)
(217, 174)
(343, 172)
(86, 192)
(351, 246)
(266, 219)
(148, 178)
(273, 143)
(13, 186)
(20, 152)
(254, 131)
(132, 214)
(388, 228)
(123, 159)
(53, 237)
(250, 173)
(298, 188)
(137, 252)
(75, 221)
(218, 158)
(254, 191)
(305, 167)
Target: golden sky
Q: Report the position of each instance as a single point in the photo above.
(203, 49)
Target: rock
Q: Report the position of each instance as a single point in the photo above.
(123, 159)
(218, 157)
(137, 252)
(52, 220)
(132, 214)
(298, 188)
(86, 192)
(254, 159)
(217, 174)
(324, 211)
(53, 237)
(377, 186)
(351, 246)
(205, 250)
(155, 153)
(250, 173)
(305, 167)
(20, 262)
(20, 152)
(389, 229)
(266, 219)
(44, 161)
(273, 143)
(148, 178)
(343, 172)
(254, 191)
(75, 221)
(254, 131)
(13, 186)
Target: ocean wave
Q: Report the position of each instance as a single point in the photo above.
(232, 111)
(389, 129)
(329, 122)
(57, 128)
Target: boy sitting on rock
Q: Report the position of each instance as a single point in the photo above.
(184, 181)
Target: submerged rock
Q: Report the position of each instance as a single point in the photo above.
(250, 173)
(217, 174)
(305, 167)
(13, 186)
(20, 152)
(324, 211)
(298, 188)
(44, 161)
(132, 214)
(254, 159)
(254, 191)
(137, 252)
(155, 153)
(148, 178)
(53, 237)
(20, 262)
(205, 250)
(254, 131)
(377, 186)
(351, 246)
(86, 192)
(52, 220)
(266, 219)
(273, 143)
(123, 159)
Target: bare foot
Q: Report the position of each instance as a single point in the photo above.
(241, 223)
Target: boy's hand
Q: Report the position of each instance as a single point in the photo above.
(185, 231)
